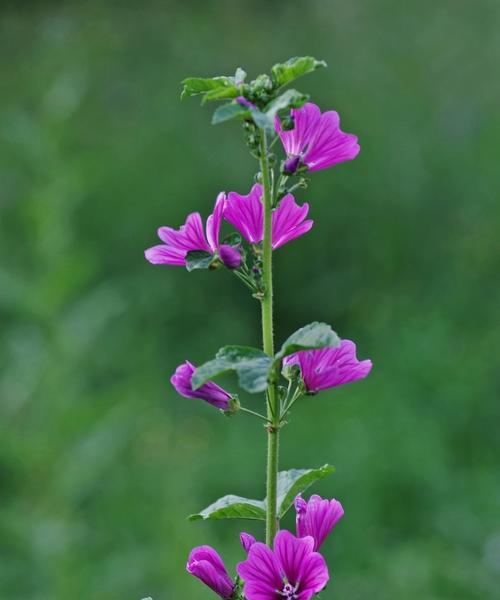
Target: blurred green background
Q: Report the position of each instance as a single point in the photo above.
(100, 461)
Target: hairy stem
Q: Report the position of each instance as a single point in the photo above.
(273, 412)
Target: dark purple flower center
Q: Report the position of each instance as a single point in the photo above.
(291, 165)
(289, 591)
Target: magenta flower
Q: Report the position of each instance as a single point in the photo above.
(317, 517)
(292, 570)
(329, 367)
(246, 213)
(316, 140)
(210, 391)
(207, 565)
(190, 236)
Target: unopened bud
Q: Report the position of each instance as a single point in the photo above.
(291, 165)
(233, 406)
(230, 256)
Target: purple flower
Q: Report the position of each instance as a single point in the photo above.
(246, 213)
(247, 541)
(207, 565)
(210, 391)
(316, 139)
(292, 570)
(329, 367)
(190, 236)
(317, 517)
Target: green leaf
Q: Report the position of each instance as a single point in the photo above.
(314, 335)
(228, 112)
(287, 100)
(296, 481)
(192, 86)
(262, 120)
(199, 259)
(232, 507)
(232, 239)
(286, 72)
(250, 364)
(221, 93)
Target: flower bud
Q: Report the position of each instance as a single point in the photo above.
(291, 165)
(230, 256)
(233, 406)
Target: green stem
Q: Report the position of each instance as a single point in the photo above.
(268, 344)
(297, 394)
(252, 412)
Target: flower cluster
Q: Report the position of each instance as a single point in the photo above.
(289, 566)
(292, 569)
(245, 213)
(318, 369)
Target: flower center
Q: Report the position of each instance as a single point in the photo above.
(289, 591)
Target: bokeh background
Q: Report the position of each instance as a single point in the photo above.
(100, 462)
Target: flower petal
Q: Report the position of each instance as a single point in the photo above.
(314, 575)
(291, 552)
(214, 222)
(206, 564)
(261, 573)
(330, 367)
(165, 255)
(306, 122)
(317, 517)
(209, 391)
(246, 213)
(247, 541)
(288, 221)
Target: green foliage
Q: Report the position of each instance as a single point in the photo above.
(232, 507)
(294, 482)
(285, 101)
(229, 112)
(285, 73)
(100, 460)
(199, 259)
(212, 88)
(250, 364)
(290, 483)
(314, 335)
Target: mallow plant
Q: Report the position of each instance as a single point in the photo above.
(290, 138)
